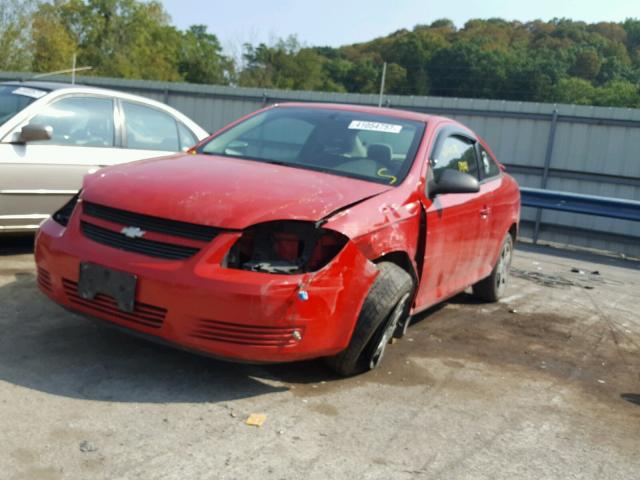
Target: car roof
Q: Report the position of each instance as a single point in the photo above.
(75, 88)
(389, 112)
(51, 86)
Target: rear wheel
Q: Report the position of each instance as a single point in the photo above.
(387, 305)
(492, 288)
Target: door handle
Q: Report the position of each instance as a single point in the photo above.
(485, 211)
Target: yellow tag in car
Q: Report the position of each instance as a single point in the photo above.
(463, 166)
(384, 173)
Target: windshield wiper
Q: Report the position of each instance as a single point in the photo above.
(274, 162)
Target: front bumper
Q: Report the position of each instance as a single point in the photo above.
(199, 305)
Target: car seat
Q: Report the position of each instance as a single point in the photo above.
(381, 153)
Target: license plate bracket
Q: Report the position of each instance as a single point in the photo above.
(94, 279)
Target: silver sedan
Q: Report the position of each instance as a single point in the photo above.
(52, 134)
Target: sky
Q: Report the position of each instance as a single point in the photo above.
(340, 22)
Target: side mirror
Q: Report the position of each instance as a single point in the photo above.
(34, 133)
(454, 181)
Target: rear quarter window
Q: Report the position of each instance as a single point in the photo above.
(149, 129)
(488, 166)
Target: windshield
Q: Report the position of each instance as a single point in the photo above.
(376, 148)
(14, 98)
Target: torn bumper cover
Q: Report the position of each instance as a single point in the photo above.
(200, 304)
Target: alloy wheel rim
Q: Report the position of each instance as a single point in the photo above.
(392, 324)
(504, 263)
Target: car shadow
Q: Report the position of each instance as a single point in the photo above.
(631, 398)
(16, 244)
(463, 298)
(46, 348)
(602, 258)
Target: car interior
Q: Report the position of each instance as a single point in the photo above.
(329, 144)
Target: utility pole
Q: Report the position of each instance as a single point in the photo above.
(384, 74)
(73, 70)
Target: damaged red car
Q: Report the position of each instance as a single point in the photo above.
(297, 232)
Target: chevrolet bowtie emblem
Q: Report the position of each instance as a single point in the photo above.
(132, 232)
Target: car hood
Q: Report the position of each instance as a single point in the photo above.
(223, 192)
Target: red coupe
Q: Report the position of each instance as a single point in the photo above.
(296, 232)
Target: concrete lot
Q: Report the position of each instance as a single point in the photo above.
(543, 385)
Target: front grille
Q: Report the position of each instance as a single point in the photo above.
(155, 224)
(255, 335)
(44, 279)
(143, 314)
(152, 248)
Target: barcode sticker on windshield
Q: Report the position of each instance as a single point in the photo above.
(374, 126)
(29, 92)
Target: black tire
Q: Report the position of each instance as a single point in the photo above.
(492, 288)
(385, 307)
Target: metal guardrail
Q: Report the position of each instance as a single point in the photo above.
(578, 203)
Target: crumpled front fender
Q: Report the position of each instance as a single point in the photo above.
(336, 294)
(382, 225)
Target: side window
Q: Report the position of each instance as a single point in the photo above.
(457, 153)
(187, 138)
(80, 121)
(488, 164)
(149, 129)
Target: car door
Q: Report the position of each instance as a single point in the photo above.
(490, 184)
(455, 223)
(151, 132)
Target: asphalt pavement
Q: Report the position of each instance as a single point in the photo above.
(543, 385)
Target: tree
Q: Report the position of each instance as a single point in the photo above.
(632, 29)
(118, 38)
(586, 65)
(53, 44)
(411, 53)
(574, 90)
(128, 38)
(15, 34)
(619, 93)
(444, 23)
(466, 69)
(284, 65)
(201, 59)
(559, 61)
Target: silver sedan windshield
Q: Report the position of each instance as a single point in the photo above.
(14, 98)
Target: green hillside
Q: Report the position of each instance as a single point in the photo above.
(556, 61)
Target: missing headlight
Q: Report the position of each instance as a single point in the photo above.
(285, 247)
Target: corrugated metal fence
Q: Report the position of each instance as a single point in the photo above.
(589, 150)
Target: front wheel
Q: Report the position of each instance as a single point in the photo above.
(492, 288)
(386, 307)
